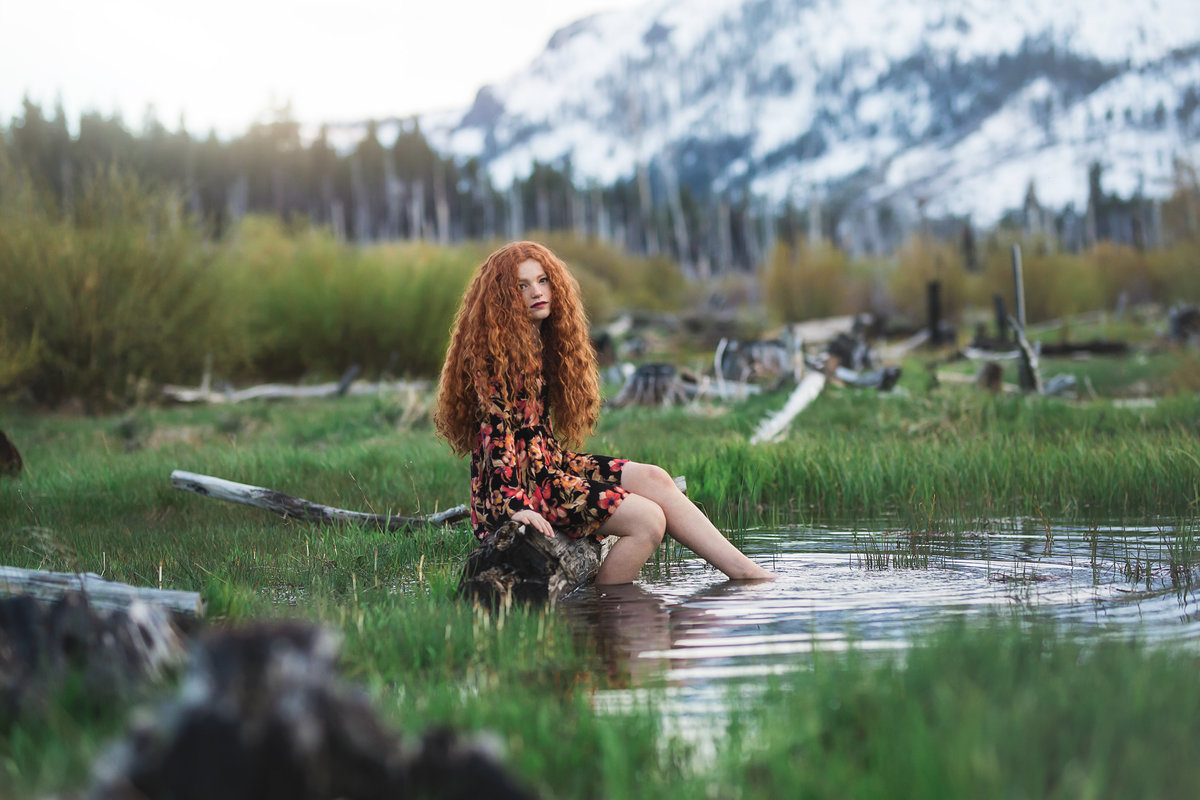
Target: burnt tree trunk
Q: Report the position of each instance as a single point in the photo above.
(305, 510)
(516, 563)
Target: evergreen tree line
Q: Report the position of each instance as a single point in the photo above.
(373, 192)
(406, 191)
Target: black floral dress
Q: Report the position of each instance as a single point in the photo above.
(518, 464)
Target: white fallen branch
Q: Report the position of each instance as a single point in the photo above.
(896, 351)
(101, 593)
(282, 391)
(775, 424)
(297, 508)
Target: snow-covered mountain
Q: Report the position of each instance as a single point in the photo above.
(952, 106)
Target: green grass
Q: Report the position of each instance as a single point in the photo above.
(95, 496)
(1006, 710)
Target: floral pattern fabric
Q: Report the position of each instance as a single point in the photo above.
(517, 464)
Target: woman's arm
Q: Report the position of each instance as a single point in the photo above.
(502, 454)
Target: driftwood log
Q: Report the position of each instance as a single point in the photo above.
(348, 385)
(517, 564)
(99, 593)
(292, 507)
(773, 426)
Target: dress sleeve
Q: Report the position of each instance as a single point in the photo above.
(502, 452)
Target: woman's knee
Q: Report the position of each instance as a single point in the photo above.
(638, 516)
(646, 478)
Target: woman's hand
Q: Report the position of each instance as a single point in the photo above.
(527, 517)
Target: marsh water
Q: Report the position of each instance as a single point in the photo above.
(702, 638)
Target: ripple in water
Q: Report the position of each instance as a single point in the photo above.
(686, 628)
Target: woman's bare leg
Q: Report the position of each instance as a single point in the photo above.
(639, 523)
(686, 523)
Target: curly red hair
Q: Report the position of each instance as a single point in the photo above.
(494, 343)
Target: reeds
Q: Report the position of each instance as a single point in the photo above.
(93, 498)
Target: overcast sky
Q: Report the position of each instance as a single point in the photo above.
(223, 63)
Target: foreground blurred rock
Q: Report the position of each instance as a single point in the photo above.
(262, 715)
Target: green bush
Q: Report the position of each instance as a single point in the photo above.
(811, 281)
(120, 291)
(611, 279)
(921, 260)
(313, 304)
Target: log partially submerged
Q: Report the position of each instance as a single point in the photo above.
(516, 563)
(100, 593)
(297, 508)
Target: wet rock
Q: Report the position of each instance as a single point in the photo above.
(263, 715)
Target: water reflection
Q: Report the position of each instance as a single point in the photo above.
(697, 634)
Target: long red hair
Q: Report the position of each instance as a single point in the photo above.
(494, 343)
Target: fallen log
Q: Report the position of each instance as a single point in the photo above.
(517, 564)
(805, 392)
(279, 391)
(291, 507)
(883, 379)
(655, 385)
(1095, 347)
(100, 593)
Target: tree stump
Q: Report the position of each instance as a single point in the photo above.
(516, 563)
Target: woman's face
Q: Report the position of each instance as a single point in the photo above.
(534, 286)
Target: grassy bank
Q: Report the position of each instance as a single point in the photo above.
(985, 713)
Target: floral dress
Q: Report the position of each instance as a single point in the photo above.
(517, 464)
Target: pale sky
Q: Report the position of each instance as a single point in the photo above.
(224, 63)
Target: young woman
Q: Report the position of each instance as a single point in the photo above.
(520, 372)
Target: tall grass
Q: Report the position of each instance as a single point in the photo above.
(95, 496)
(1009, 710)
(812, 280)
(123, 290)
(311, 304)
(126, 292)
(817, 281)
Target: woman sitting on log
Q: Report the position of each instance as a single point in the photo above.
(521, 371)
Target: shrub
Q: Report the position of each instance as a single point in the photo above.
(810, 281)
(120, 291)
(611, 279)
(921, 260)
(313, 304)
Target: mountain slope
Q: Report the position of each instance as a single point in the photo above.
(951, 106)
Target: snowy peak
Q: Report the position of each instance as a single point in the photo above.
(948, 104)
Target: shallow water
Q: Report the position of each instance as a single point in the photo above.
(686, 628)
